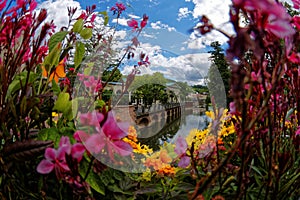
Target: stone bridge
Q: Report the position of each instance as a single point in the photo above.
(141, 116)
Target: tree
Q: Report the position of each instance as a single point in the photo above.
(219, 75)
(106, 76)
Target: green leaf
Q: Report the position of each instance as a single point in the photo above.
(78, 25)
(19, 79)
(55, 87)
(48, 134)
(105, 16)
(52, 59)
(61, 104)
(150, 189)
(57, 38)
(184, 187)
(79, 54)
(94, 181)
(86, 33)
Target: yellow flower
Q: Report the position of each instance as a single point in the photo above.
(54, 117)
(210, 114)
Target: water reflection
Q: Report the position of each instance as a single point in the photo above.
(172, 128)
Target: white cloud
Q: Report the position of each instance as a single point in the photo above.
(183, 13)
(190, 68)
(159, 25)
(134, 16)
(57, 10)
(218, 12)
(121, 21)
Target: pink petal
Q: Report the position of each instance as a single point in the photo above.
(280, 28)
(60, 154)
(114, 130)
(132, 23)
(63, 166)
(181, 146)
(296, 4)
(81, 136)
(77, 151)
(298, 131)
(50, 154)
(65, 144)
(95, 143)
(184, 162)
(121, 147)
(45, 167)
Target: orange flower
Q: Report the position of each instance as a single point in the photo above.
(56, 73)
(166, 170)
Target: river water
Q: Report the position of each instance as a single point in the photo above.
(160, 132)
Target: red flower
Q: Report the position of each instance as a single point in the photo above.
(133, 24)
(119, 8)
(144, 21)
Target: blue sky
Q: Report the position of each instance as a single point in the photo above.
(173, 50)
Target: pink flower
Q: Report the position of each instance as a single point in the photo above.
(278, 20)
(296, 21)
(77, 151)
(232, 108)
(180, 149)
(91, 119)
(2, 4)
(109, 137)
(118, 8)
(294, 58)
(65, 145)
(92, 84)
(296, 4)
(54, 160)
(133, 24)
(279, 27)
(298, 131)
(144, 21)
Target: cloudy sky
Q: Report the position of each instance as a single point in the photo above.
(173, 50)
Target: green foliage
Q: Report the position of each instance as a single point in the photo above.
(56, 39)
(218, 74)
(108, 76)
(79, 54)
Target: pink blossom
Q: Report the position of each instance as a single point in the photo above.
(77, 151)
(296, 4)
(133, 24)
(91, 118)
(109, 136)
(92, 84)
(180, 149)
(65, 144)
(278, 20)
(296, 21)
(81, 136)
(232, 108)
(2, 4)
(298, 131)
(54, 160)
(118, 8)
(279, 27)
(144, 21)
(294, 58)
